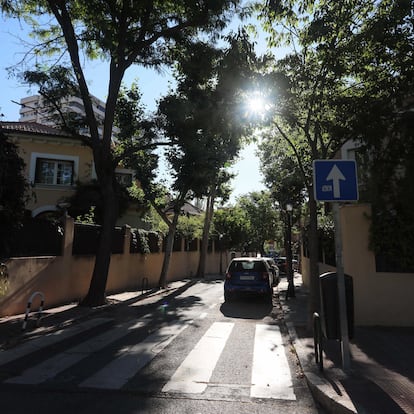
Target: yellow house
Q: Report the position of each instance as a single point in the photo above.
(55, 161)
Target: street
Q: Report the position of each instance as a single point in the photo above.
(190, 353)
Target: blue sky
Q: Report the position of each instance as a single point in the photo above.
(13, 35)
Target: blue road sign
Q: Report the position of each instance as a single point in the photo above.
(335, 180)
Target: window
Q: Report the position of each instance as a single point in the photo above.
(54, 172)
(124, 179)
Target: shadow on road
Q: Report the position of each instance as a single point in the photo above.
(246, 308)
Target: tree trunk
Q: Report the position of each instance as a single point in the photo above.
(168, 249)
(206, 231)
(314, 293)
(96, 293)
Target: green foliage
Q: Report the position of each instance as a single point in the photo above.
(145, 242)
(326, 234)
(87, 202)
(14, 192)
(137, 136)
(340, 79)
(190, 227)
(281, 173)
(351, 78)
(263, 218)
(154, 221)
(143, 245)
(199, 120)
(249, 224)
(87, 218)
(233, 226)
(391, 193)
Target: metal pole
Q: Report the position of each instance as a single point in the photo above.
(346, 360)
(221, 253)
(291, 285)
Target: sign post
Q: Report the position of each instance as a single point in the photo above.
(336, 181)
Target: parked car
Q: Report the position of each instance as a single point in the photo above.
(282, 264)
(248, 275)
(274, 268)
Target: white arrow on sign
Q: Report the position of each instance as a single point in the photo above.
(335, 176)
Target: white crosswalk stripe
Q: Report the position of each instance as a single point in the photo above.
(53, 366)
(267, 375)
(271, 376)
(132, 359)
(194, 373)
(36, 344)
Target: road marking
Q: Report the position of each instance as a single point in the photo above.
(53, 366)
(271, 377)
(193, 375)
(133, 358)
(50, 339)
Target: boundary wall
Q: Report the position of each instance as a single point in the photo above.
(66, 279)
(380, 298)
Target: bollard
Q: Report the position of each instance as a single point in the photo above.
(144, 284)
(4, 274)
(29, 305)
(4, 279)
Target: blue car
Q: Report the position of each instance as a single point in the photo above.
(248, 275)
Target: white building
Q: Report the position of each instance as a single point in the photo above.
(32, 109)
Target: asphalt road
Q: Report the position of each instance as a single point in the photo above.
(190, 353)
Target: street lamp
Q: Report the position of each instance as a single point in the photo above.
(290, 292)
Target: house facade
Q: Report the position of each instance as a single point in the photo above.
(55, 162)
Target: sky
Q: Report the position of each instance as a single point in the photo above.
(13, 45)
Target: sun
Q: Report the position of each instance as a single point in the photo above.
(256, 104)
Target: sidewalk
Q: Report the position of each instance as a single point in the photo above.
(381, 379)
(61, 317)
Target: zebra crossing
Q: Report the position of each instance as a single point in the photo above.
(266, 373)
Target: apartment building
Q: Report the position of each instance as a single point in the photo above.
(32, 109)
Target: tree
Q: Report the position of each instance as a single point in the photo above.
(201, 119)
(122, 33)
(383, 55)
(88, 196)
(219, 189)
(281, 173)
(263, 218)
(187, 118)
(14, 191)
(308, 116)
(327, 101)
(287, 189)
(231, 78)
(233, 226)
(190, 227)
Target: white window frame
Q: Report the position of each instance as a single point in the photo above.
(55, 157)
(126, 171)
(117, 170)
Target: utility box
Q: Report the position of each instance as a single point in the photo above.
(330, 318)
